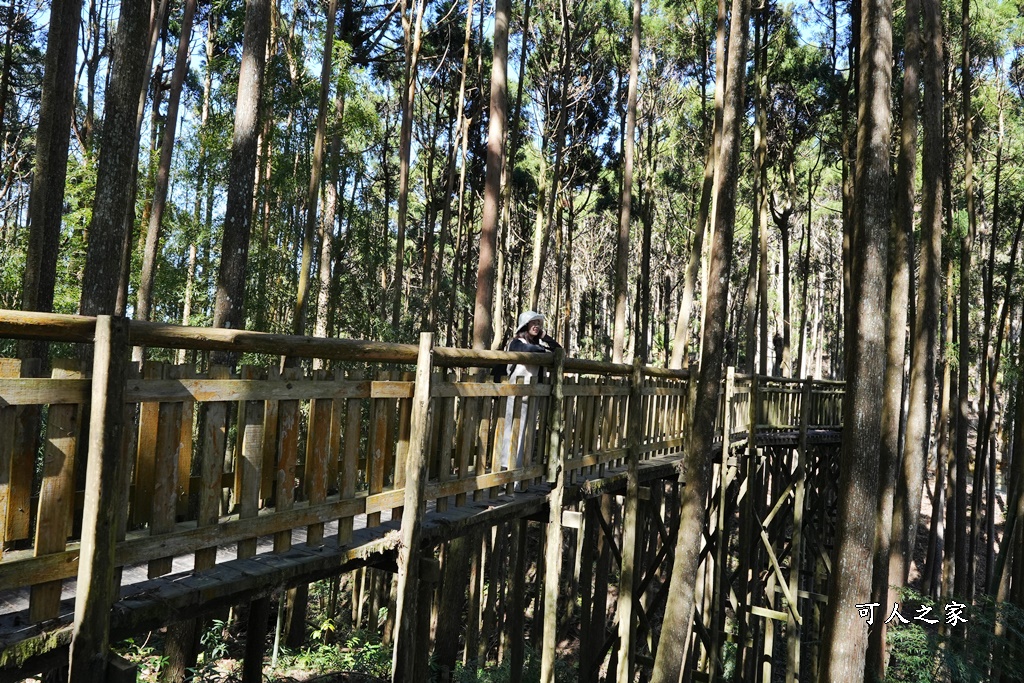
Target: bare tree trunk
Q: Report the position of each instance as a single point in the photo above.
(507, 176)
(51, 162)
(626, 200)
(118, 147)
(483, 329)
(163, 174)
(759, 158)
(942, 447)
(845, 640)
(412, 54)
(158, 10)
(5, 75)
(546, 200)
(675, 634)
(461, 131)
(967, 244)
(901, 260)
(681, 338)
(907, 503)
(229, 309)
(315, 173)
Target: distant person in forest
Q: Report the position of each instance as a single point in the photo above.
(529, 336)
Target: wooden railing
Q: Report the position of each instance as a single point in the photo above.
(207, 456)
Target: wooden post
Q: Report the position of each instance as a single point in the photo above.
(794, 624)
(103, 496)
(630, 519)
(748, 469)
(517, 641)
(403, 665)
(255, 640)
(722, 542)
(8, 368)
(553, 542)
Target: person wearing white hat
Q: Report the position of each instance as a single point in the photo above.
(529, 336)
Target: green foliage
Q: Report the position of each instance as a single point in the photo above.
(144, 654)
(362, 653)
(967, 653)
(565, 672)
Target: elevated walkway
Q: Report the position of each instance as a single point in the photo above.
(172, 490)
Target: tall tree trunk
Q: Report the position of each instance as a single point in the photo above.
(681, 338)
(53, 134)
(413, 30)
(461, 131)
(760, 151)
(229, 309)
(483, 329)
(315, 173)
(118, 148)
(845, 640)
(907, 502)
(5, 71)
(163, 174)
(943, 449)
(158, 10)
(901, 260)
(967, 245)
(550, 188)
(332, 192)
(675, 634)
(507, 178)
(626, 200)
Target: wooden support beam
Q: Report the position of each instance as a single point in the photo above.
(722, 544)
(103, 497)
(256, 640)
(553, 542)
(630, 527)
(403, 668)
(517, 642)
(794, 624)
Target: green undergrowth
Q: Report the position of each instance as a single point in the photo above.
(975, 652)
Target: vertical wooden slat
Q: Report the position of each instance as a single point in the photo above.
(378, 448)
(185, 448)
(8, 368)
(268, 469)
(402, 448)
(249, 462)
(468, 410)
(337, 434)
(573, 422)
(23, 463)
(104, 492)
(404, 665)
(482, 443)
(57, 494)
(129, 443)
(211, 466)
(350, 463)
(288, 419)
(448, 432)
(145, 464)
(165, 475)
(317, 453)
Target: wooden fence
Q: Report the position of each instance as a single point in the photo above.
(110, 463)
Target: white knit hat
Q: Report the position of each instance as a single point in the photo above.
(527, 318)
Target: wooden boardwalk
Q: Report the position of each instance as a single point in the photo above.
(228, 486)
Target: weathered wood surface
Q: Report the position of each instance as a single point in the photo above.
(357, 427)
